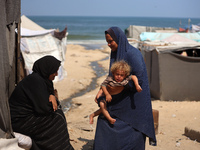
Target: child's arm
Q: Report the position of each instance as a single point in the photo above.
(105, 91)
(135, 80)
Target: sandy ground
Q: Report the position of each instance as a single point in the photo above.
(173, 116)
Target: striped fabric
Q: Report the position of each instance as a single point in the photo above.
(47, 132)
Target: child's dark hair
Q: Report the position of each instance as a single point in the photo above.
(121, 65)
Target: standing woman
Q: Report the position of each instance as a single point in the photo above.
(35, 111)
(131, 109)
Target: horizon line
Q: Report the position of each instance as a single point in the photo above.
(108, 16)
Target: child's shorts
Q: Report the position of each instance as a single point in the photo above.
(101, 98)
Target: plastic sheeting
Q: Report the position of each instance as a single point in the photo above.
(9, 144)
(36, 44)
(134, 31)
(195, 28)
(152, 36)
(28, 32)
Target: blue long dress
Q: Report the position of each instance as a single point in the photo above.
(132, 110)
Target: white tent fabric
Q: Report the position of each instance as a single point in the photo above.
(38, 43)
(24, 141)
(28, 32)
(36, 47)
(9, 144)
(195, 28)
(29, 24)
(178, 39)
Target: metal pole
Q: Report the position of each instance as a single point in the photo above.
(189, 20)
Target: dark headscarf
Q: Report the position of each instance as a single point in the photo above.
(46, 66)
(123, 46)
(140, 116)
(112, 34)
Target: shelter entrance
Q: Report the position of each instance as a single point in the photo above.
(189, 52)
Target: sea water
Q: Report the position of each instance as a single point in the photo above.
(84, 29)
(89, 32)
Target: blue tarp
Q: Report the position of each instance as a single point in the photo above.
(152, 36)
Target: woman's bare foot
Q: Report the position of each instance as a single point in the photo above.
(91, 118)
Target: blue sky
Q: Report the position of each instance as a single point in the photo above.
(138, 8)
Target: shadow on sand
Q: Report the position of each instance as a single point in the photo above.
(88, 145)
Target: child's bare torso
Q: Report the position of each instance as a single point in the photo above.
(114, 90)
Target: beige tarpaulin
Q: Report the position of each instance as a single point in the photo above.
(173, 70)
(29, 24)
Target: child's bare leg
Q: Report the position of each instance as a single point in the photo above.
(105, 112)
(94, 114)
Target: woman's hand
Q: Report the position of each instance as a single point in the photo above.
(52, 99)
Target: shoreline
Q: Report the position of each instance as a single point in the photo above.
(174, 116)
(89, 44)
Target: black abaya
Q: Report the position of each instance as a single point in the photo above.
(31, 112)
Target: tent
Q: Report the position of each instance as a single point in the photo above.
(9, 50)
(37, 42)
(152, 36)
(134, 31)
(11, 64)
(173, 67)
(195, 28)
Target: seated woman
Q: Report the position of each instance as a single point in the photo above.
(34, 108)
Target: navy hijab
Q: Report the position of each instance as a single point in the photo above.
(140, 116)
(123, 46)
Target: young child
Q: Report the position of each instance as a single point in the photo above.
(112, 86)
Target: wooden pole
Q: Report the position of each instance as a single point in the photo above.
(18, 72)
